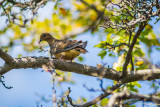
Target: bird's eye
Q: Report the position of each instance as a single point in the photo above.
(44, 35)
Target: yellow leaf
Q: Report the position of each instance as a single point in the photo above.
(78, 25)
(63, 11)
(139, 63)
(148, 27)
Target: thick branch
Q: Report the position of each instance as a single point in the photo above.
(115, 96)
(37, 62)
(129, 53)
(109, 73)
(6, 57)
(127, 95)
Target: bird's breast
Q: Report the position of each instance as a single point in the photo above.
(67, 55)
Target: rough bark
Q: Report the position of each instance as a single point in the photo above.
(108, 73)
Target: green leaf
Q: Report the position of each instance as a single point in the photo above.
(20, 55)
(84, 99)
(80, 58)
(137, 84)
(101, 44)
(104, 102)
(102, 53)
(131, 86)
(111, 55)
(138, 52)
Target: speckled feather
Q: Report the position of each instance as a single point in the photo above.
(64, 49)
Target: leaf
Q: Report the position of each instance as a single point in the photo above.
(63, 11)
(104, 102)
(111, 55)
(20, 55)
(148, 27)
(139, 63)
(109, 39)
(137, 84)
(102, 53)
(131, 86)
(80, 58)
(84, 99)
(101, 44)
(138, 52)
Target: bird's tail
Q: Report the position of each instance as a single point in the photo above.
(81, 50)
(84, 44)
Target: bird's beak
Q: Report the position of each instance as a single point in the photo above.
(40, 40)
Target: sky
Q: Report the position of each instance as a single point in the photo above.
(30, 86)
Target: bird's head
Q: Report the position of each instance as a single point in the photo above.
(45, 37)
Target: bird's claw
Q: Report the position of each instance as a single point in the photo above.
(51, 70)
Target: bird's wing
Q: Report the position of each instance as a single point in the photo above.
(75, 44)
(65, 45)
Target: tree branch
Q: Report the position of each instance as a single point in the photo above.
(6, 57)
(91, 6)
(93, 26)
(2, 1)
(77, 32)
(115, 45)
(127, 95)
(109, 73)
(13, 17)
(70, 99)
(37, 62)
(105, 94)
(129, 53)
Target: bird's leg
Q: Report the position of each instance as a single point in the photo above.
(52, 66)
(51, 70)
(71, 60)
(52, 55)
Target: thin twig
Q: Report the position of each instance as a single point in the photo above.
(115, 45)
(70, 99)
(105, 94)
(3, 83)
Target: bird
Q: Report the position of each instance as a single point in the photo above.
(66, 50)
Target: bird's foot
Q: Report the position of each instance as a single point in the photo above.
(70, 61)
(53, 57)
(51, 70)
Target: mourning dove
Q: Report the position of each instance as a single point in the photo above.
(66, 50)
